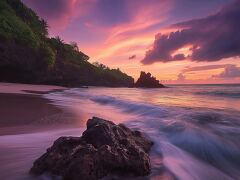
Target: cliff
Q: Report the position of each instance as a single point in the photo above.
(28, 55)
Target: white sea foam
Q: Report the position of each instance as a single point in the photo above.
(195, 133)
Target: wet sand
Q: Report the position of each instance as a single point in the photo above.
(29, 124)
(24, 110)
(16, 88)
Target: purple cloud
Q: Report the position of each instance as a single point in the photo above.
(212, 38)
(231, 71)
(59, 13)
(203, 68)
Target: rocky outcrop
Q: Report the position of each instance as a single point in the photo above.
(147, 81)
(104, 148)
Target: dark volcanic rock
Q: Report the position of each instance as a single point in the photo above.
(147, 81)
(103, 148)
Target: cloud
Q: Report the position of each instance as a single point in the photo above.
(132, 57)
(132, 33)
(181, 77)
(209, 39)
(204, 68)
(231, 71)
(58, 13)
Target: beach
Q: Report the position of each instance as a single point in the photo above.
(195, 128)
(29, 123)
(119, 90)
(22, 107)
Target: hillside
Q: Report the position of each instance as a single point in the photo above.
(28, 55)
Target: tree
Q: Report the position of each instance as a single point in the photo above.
(74, 45)
(59, 40)
(100, 65)
(44, 26)
(47, 55)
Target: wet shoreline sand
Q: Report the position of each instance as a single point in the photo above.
(23, 109)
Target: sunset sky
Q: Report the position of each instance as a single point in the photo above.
(178, 41)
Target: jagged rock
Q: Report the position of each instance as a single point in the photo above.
(147, 81)
(104, 148)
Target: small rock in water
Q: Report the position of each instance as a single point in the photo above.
(104, 148)
(146, 80)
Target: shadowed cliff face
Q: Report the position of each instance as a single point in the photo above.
(146, 80)
(28, 55)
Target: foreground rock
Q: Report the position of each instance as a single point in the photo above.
(147, 81)
(104, 148)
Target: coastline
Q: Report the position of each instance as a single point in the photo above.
(29, 123)
(175, 128)
(23, 109)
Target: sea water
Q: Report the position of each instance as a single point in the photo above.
(195, 129)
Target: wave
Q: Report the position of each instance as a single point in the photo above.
(194, 143)
(231, 94)
(142, 109)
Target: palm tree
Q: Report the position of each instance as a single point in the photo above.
(74, 45)
(44, 26)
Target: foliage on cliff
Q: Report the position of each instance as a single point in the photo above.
(28, 55)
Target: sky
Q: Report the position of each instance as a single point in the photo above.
(177, 41)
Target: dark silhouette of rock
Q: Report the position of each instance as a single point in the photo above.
(104, 148)
(146, 80)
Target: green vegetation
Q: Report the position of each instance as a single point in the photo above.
(28, 55)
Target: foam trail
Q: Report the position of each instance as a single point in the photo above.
(187, 167)
(195, 129)
(190, 140)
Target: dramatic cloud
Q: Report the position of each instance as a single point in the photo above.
(204, 68)
(209, 39)
(231, 71)
(112, 31)
(132, 57)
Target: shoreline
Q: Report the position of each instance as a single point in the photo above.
(22, 113)
(18, 88)
(24, 110)
(172, 128)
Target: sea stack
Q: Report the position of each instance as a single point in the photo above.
(103, 149)
(146, 80)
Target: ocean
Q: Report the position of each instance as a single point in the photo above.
(195, 128)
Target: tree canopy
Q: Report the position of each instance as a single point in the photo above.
(28, 55)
